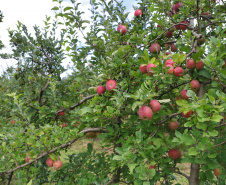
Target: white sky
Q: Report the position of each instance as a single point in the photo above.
(30, 13)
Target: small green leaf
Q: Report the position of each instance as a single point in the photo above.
(132, 167)
(217, 118)
(213, 133)
(55, 8)
(205, 73)
(192, 151)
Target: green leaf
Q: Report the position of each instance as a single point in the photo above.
(131, 167)
(205, 73)
(117, 158)
(30, 182)
(192, 151)
(67, 8)
(217, 118)
(187, 139)
(191, 94)
(213, 133)
(135, 104)
(182, 103)
(55, 8)
(85, 110)
(212, 164)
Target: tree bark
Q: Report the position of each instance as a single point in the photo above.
(194, 174)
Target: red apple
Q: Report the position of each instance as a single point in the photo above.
(187, 115)
(64, 124)
(122, 29)
(143, 68)
(57, 165)
(149, 71)
(13, 122)
(169, 34)
(145, 113)
(190, 64)
(101, 90)
(155, 105)
(199, 65)
(174, 153)
(155, 48)
(195, 85)
(183, 94)
(152, 167)
(138, 13)
(49, 162)
(169, 62)
(170, 71)
(173, 48)
(177, 6)
(168, 53)
(62, 113)
(217, 172)
(183, 27)
(110, 85)
(178, 71)
(173, 125)
(27, 158)
(201, 41)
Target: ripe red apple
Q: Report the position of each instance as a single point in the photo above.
(152, 167)
(13, 122)
(199, 65)
(49, 162)
(178, 71)
(177, 6)
(155, 105)
(169, 34)
(187, 115)
(173, 125)
(27, 158)
(64, 124)
(57, 165)
(143, 68)
(122, 29)
(173, 48)
(149, 71)
(138, 13)
(61, 113)
(169, 62)
(190, 64)
(170, 71)
(217, 172)
(195, 85)
(174, 153)
(201, 41)
(183, 94)
(145, 113)
(101, 90)
(183, 27)
(168, 53)
(155, 48)
(110, 85)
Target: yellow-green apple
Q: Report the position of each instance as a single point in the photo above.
(57, 164)
(174, 153)
(195, 85)
(155, 105)
(187, 115)
(178, 71)
(183, 94)
(143, 68)
(190, 64)
(49, 162)
(155, 48)
(217, 172)
(138, 13)
(122, 29)
(101, 90)
(149, 70)
(145, 113)
(173, 125)
(110, 85)
(199, 65)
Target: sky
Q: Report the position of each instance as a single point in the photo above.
(30, 13)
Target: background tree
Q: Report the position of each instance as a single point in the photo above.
(160, 108)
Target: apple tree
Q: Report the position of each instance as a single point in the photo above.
(152, 86)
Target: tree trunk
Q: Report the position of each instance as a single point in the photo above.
(194, 174)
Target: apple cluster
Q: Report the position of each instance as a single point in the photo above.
(110, 85)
